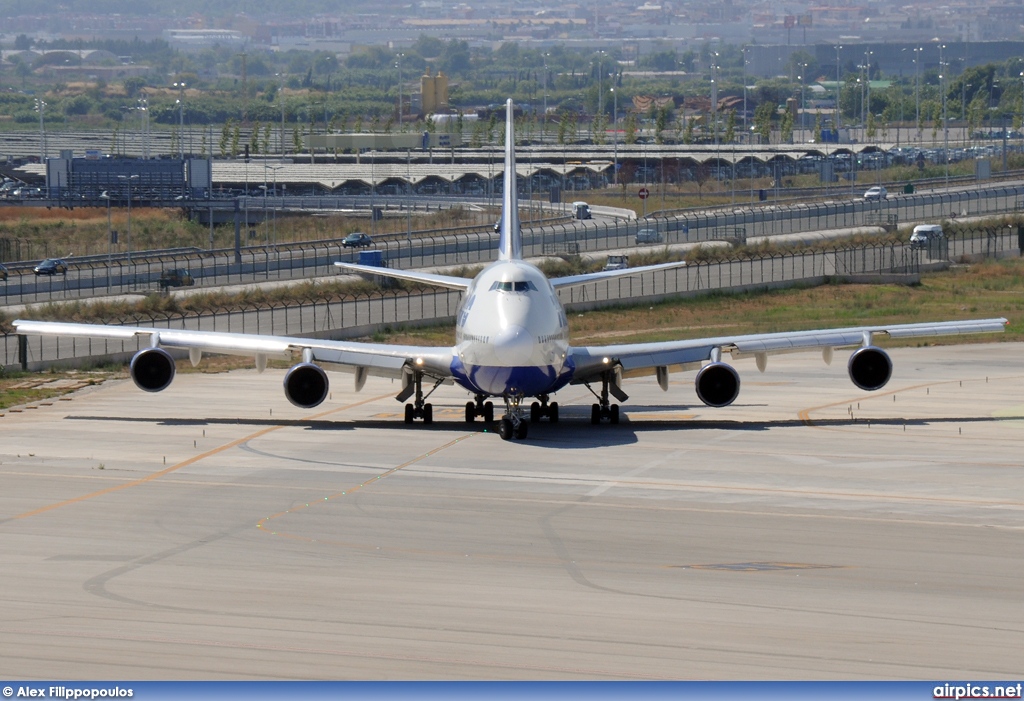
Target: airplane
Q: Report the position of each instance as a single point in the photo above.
(511, 344)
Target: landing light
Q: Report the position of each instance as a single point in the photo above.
(606, 360)
(419, 361)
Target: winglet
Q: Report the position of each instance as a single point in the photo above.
(510, 243)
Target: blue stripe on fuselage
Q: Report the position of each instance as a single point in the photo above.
(496, 381)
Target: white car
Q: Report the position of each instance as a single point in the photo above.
(876, 193)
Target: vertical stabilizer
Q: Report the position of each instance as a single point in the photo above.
(510, 243)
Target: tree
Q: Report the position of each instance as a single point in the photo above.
(730, 128)
(660, 123)
(786, 127)
(688, 132)
(225, 138)
(631, 127)
(254, 138)
(763, 121)
(872, 127)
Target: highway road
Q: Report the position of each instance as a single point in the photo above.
(252, 264)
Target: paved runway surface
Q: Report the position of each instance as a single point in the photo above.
(809, 531)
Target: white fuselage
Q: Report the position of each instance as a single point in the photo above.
(511, 334)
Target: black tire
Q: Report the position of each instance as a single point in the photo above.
(553, 412)
(535, 412)
(470, 412)
(408, 413)
(489, 412)
(505, 429)
(614, 414)
(595, 414)
(428, 413)
(521, 430)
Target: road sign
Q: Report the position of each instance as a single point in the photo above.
(644, 193)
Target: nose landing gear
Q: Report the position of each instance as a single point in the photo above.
(512, 424)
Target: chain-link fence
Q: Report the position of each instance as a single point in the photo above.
(362, 314)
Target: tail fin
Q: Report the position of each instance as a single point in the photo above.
(510, 243)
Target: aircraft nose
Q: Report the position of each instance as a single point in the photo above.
(514, 346)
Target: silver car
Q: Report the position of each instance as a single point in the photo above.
(648, 236)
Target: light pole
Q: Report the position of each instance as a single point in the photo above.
(128, 233)
(545, 134)
(867, 69)
(40, 106)
(917, 88)
(280, 94)
(143, 108)
(274, 169)
(839, 87)
(398, 65)
(714, 96)
(615, 133)
(181, 118)
(600, 82)
(945, 124)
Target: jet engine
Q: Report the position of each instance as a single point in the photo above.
(152, 369)
(305, 385)
(870, 368)
(717, 384)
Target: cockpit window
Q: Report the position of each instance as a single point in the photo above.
(514, 286)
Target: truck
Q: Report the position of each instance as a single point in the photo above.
(580, 210)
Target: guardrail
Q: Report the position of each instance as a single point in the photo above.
(262, 263)
(359, 315)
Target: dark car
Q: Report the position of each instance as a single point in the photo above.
(178, 277)
(3, 272)
(51, 266)
(356, 241)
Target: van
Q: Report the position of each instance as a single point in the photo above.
(924, 234)
(580, 210)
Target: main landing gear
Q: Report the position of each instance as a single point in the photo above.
(541, 409)
(605, 409)
(512, 424)
(419, 408)
(480, 408)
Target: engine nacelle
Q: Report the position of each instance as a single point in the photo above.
(717, 384)
(152, 369)
(870, 368)
(305, 385)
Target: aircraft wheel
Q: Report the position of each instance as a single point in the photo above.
(408, 413)
(428, 413)
(470, 412)
(505, 429)
(535, 412)
(614, 413)
(553, 412)
(521, 430)
(595, 414)
(489, 412)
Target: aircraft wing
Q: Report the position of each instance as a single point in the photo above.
(379, 359)
(455, 283)
(574, 280)
(636, 359)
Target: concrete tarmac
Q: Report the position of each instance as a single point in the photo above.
(809, 531)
